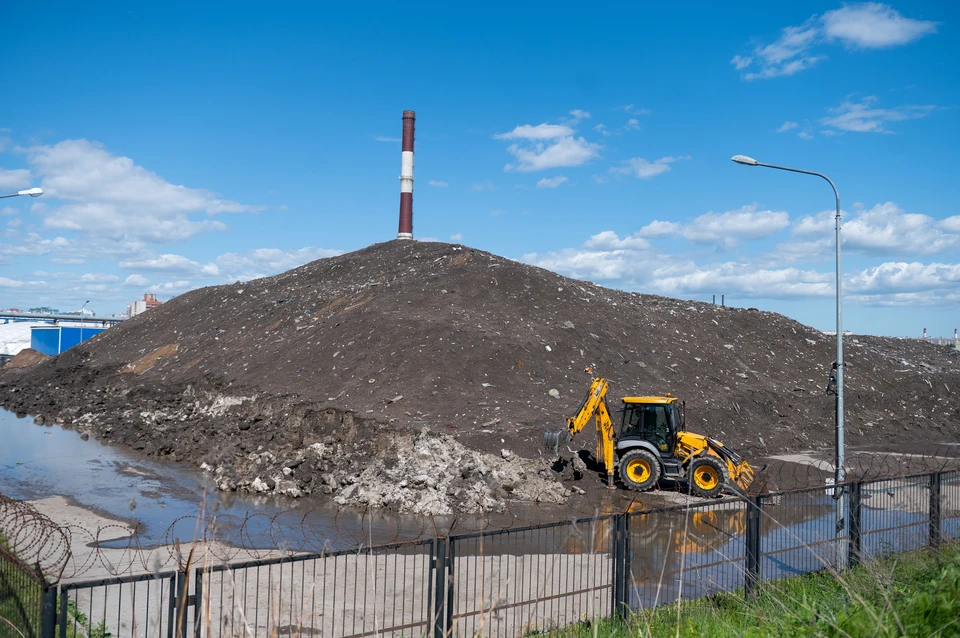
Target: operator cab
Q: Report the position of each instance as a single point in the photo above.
(651, 419)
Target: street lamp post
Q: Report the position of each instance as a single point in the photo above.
(81, 318)
(839, 475)
(32, 192)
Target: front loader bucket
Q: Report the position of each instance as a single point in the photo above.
(744, 476)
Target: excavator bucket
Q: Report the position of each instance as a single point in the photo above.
(551, 441)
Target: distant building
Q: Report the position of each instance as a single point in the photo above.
(44, 310)
(149, 301)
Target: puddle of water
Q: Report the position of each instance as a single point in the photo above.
(164, 499)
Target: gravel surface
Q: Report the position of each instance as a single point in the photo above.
(421, 376)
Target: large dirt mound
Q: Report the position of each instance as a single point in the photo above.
(364, 349)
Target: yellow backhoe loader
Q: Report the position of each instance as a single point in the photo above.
(651, 444)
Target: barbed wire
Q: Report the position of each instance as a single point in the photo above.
(33, 540)
(71, 551)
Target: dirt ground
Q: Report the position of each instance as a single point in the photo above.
(422, 375)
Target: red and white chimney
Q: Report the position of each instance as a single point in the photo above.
(406, 177)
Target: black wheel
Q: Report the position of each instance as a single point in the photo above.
(707, 476)
(639, 470)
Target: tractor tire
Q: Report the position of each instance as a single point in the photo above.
(707, 477)
(639, 470)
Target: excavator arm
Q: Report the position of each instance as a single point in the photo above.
(593, 407)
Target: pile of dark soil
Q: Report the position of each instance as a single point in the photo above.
(358, 354)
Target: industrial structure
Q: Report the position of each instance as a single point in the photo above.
(405, 230)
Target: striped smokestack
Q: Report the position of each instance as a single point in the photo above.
(406, 177)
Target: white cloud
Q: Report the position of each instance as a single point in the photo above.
(136, 280)
(886, 229)
(438, 183)
(264, 262)
(99, 277)
(172, 287)
(551, 182)
(872, 25)
(904, 277)
(658, 228)
(9, 210)
(644, 169)
(483, 186)
(16, 179)
(950, 224)
(587, 264)
(804, 135)
(34, 244)
(728, 228)
(564, 152)
(633, 124)
(116, 201)
(630, 108)
(867, 25)
(864, 117)
(457, 237)
(602, 129)
(384, 138)
(786, 126)
(172, 264)
(609, 240)
(579, 114)
(538, 132)
(742, 280)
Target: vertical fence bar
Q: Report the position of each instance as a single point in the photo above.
(752, 577)
(440, 594)
(181, 610)
(856, 519)
(619, 581)
(198, 603)
(172, 606)
(62, 621)
(48, 612)
(451, 587)
(936, 481)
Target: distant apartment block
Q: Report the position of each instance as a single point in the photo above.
(149, 301)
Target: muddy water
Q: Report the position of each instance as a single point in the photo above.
(166, 500)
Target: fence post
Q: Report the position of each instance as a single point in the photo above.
(198, 602)
(172, 606)
(439, 590)
(48, 612)
(752, 577)
(935, 484)
(451, 559)
(181, 610)
(618, 586)
(62, 620)
(856, 539)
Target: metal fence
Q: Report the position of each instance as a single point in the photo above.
(500, 583)
(21, 595)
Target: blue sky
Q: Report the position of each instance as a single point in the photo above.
(183, 145)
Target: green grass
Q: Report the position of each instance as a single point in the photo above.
(911, 594)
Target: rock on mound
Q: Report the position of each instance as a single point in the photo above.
(362, 349)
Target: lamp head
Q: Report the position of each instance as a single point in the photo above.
(32, 192)
(743, 159)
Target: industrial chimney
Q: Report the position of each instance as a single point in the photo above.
(406, 177)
